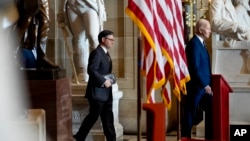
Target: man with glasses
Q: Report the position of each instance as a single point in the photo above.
(99, 89)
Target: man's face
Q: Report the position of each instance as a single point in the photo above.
(108, 41)
(206, 31)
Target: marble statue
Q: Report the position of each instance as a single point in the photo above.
(32, 30)
(224, 21)
(242, 8)
(85, 19)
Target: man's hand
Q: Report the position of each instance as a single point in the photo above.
(208, 90)
(107, 83)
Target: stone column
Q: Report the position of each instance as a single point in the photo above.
(117, 95)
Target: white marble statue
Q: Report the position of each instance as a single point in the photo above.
(84, 19)
(242, 8)
(224, 21)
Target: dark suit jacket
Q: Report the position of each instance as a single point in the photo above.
(99, 64)
(198, 65)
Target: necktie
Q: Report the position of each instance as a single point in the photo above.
(108, 56)
(204, 44)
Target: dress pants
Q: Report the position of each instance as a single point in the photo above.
(96, 108)
(192, 101)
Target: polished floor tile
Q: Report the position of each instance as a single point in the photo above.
(168, 138)
(172, 136)
(134, 138)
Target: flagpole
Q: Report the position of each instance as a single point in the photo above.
(179, 120)
(138, 88)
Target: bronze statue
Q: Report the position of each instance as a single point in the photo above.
(32, 30)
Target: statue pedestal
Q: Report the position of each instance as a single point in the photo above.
(80, 110)
(117, 95)
(44, 74)
(54, 96)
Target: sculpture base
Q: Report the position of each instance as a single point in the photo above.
(54, 96)
(44, 74)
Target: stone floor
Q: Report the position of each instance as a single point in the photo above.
(172, 136)
(168, 138)
(134, 138)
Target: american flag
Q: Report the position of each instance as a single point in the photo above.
(164, 60)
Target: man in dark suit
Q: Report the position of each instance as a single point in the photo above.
(199, 90)
(99, 89)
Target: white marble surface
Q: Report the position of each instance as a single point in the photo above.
(33, 125)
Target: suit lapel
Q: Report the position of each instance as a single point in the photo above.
(202, 48)
(204, 52)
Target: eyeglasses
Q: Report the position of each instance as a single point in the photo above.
(110, 39)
